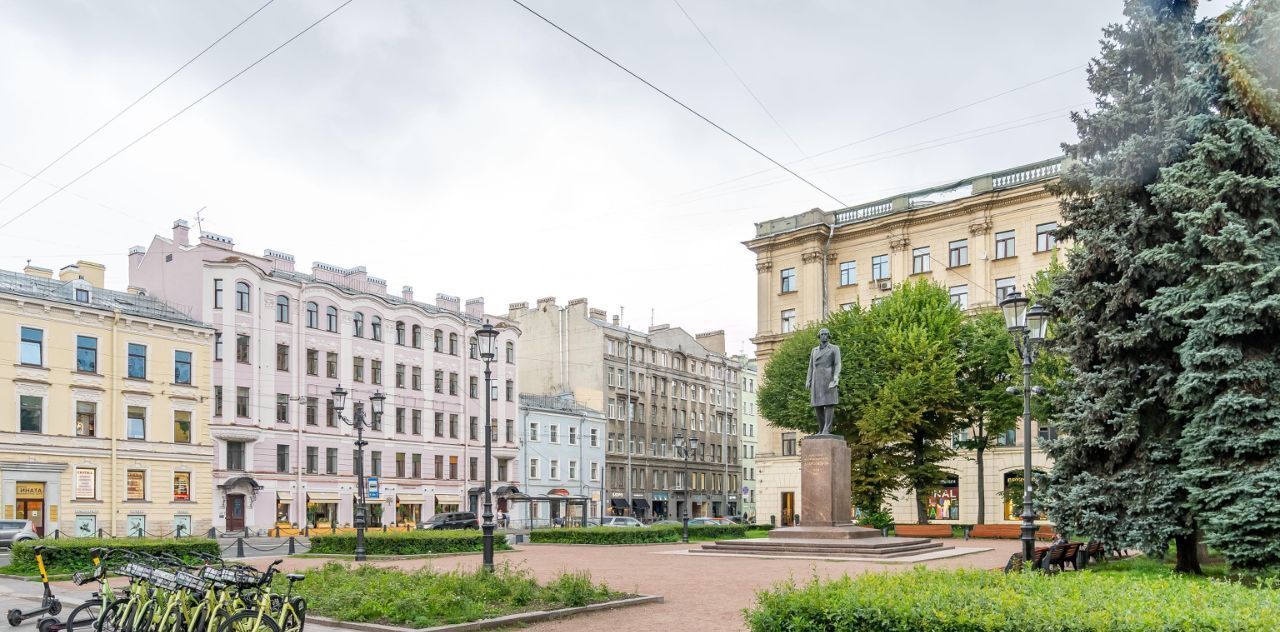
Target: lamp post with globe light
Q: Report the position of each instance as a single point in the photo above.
(686, 447)
(1028, 327)
(358, 422)
(487, 336)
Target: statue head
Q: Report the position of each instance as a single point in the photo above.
(824, 336)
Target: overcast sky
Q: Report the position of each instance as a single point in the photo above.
(467, 147)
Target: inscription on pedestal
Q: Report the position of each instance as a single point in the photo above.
(824, 484)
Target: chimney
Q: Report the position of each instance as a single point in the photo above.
(615, 320)
(546, 302)
(451, 303)
(282, 261)
(37, 271)
(516, 311)
(181, 230)
(69, 273)
(597, 314)
(475, 307)
(94, 273)
(407, 293)
(712, 340)
(136, 254)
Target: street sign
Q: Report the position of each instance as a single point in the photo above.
(746, 490)
(372, 484)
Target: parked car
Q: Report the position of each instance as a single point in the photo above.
(14, 531)
(451, 520)
(620, 521)
(712, 521)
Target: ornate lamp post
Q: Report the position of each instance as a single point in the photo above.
(1028, 328)
(362, 512)
(488, 339)
(691, 446)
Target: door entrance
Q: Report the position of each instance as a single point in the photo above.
(235, 512)
(789, 509)
(33, 510)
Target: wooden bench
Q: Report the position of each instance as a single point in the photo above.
(1015, 560)
(1007, 531)
(1060, 555)
(922, 530)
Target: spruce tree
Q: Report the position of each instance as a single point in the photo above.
(1117, 463)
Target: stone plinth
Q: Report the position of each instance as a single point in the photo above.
(824, 482)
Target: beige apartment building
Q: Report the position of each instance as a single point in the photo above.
(108, 394)
(980, 237)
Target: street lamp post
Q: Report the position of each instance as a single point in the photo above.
(488, 337)
(691, 445)
(1028, 328)
(358, 422)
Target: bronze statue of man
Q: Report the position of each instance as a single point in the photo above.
(822, 380)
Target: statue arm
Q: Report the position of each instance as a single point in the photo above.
(808, 373)
(835, 375)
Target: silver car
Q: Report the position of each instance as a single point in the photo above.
(12, 531)
(620, 521)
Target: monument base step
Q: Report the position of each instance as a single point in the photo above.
(837, 532)
(877, 546)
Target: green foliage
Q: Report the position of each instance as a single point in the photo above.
(988, 366)
(985, 601)
(637, 535)
(405, 543)
(71, 555)
(878, 519)
(426, 597)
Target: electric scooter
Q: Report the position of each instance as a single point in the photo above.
(48, 603)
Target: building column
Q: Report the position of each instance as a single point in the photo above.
(765, 305)
(982, 290)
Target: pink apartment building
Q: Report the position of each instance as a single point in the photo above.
(285, 340)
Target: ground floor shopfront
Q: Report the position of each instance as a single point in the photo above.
(957, 501)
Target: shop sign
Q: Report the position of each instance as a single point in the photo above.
(86, 483)
(30, 490)
(372, 484)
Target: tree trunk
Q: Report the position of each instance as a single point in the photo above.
(922, 511)
(982, 483)
(1188, 560)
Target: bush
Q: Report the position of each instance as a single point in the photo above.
(406, 543)
(881, 519)
(426, 597)
(986, 601)
(762, 527)
(70, 555)
(635, 535)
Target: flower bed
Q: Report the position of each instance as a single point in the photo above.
(406, 543)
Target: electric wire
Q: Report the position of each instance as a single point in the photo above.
(176, 114)
(135, 102)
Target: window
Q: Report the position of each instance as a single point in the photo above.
(282, 458)
(510, 430)
(182, 426)
(235, 455)
(415, 378)
(533, 468)
(1003, 288)
(137, 361)
(1045, 239)
(595, 437)
(453, 344)
(788, 321)
(217, 293)
(136, 423)
(1046, 432)
(439, 381)
(511, 352)
(453, 383)
(330, 460)
(331, 364)
(511, 390)
(474, 387)
(474, 429)
(879, 267)
(400, 332)
(453, 426)
(217, 346)
(438, 341)
(473, 348)
(331, 318)
(31, 412)
(417, 336)
(136, 485)
(375, 463)
(282, 308)
(533, 431)
(788, 444)
(453, 467)
(313, 460)
(960, 296)
(439, 463)
(920, 260)
(242, 296)
(595, 470)
(86, 354)
(313, 315)
(375, 368)
(555, 469)
(573, 435)
(439, 425)
(788, 280)
(242, 401)
(357, 324)
(400, 420)
(282, 408)
(86, 419)
(377, 327)
(357, 369)
(417, 421)
(553, 433)
(217, 401)
(417, 466)
(282, 357)
(474, 467)
(958, 253)
(330, 414)
(82, 295)
(848, 272)
(400, 376)
(312, 405)
(242, 348)
(1005, 245)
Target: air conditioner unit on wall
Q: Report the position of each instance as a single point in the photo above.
(884, 284)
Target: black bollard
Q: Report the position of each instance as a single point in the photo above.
(239, 547)
(291, 551)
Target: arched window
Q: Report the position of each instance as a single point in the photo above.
(439, 341)
(357, 324)
(331, 318)
(473, 348)
(313, 315)
(242, 296)
(453, 344)
(282, 308)
(376, 325)
(417, 336)
(400, 332)
(511, 352)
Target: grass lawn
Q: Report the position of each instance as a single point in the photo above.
(1145, 566)
(427, 597)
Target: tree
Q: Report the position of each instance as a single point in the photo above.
(986, 355)
(1117, 463)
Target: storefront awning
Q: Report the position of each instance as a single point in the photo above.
(617, 502)
(285, 496)
(475, 491)
(506, 489)
(640, 503)
(447, 499)
(323, 497)
(236, 480)
(558, 492)
(409, 499)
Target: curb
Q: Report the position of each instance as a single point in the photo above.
(389, 558)
(499, 622)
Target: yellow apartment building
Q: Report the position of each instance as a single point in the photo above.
(105, 396)
(980, 237)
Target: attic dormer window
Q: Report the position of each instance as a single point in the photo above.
(82, 295)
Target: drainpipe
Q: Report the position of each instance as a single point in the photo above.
(464, 382)
(115, 417)
(626, 418)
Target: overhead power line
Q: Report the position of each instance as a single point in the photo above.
(135, 102)
(677, 102)
(176, 114)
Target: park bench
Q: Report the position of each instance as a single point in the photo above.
(1007, 531)
(1015, 560)
(922, 530)
(1060, 555)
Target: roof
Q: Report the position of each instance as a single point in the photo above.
(429, 308)
(56, 291)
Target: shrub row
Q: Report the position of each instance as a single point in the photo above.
(636, 535)
(405, 543)
(985, 601)
(68, 556)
